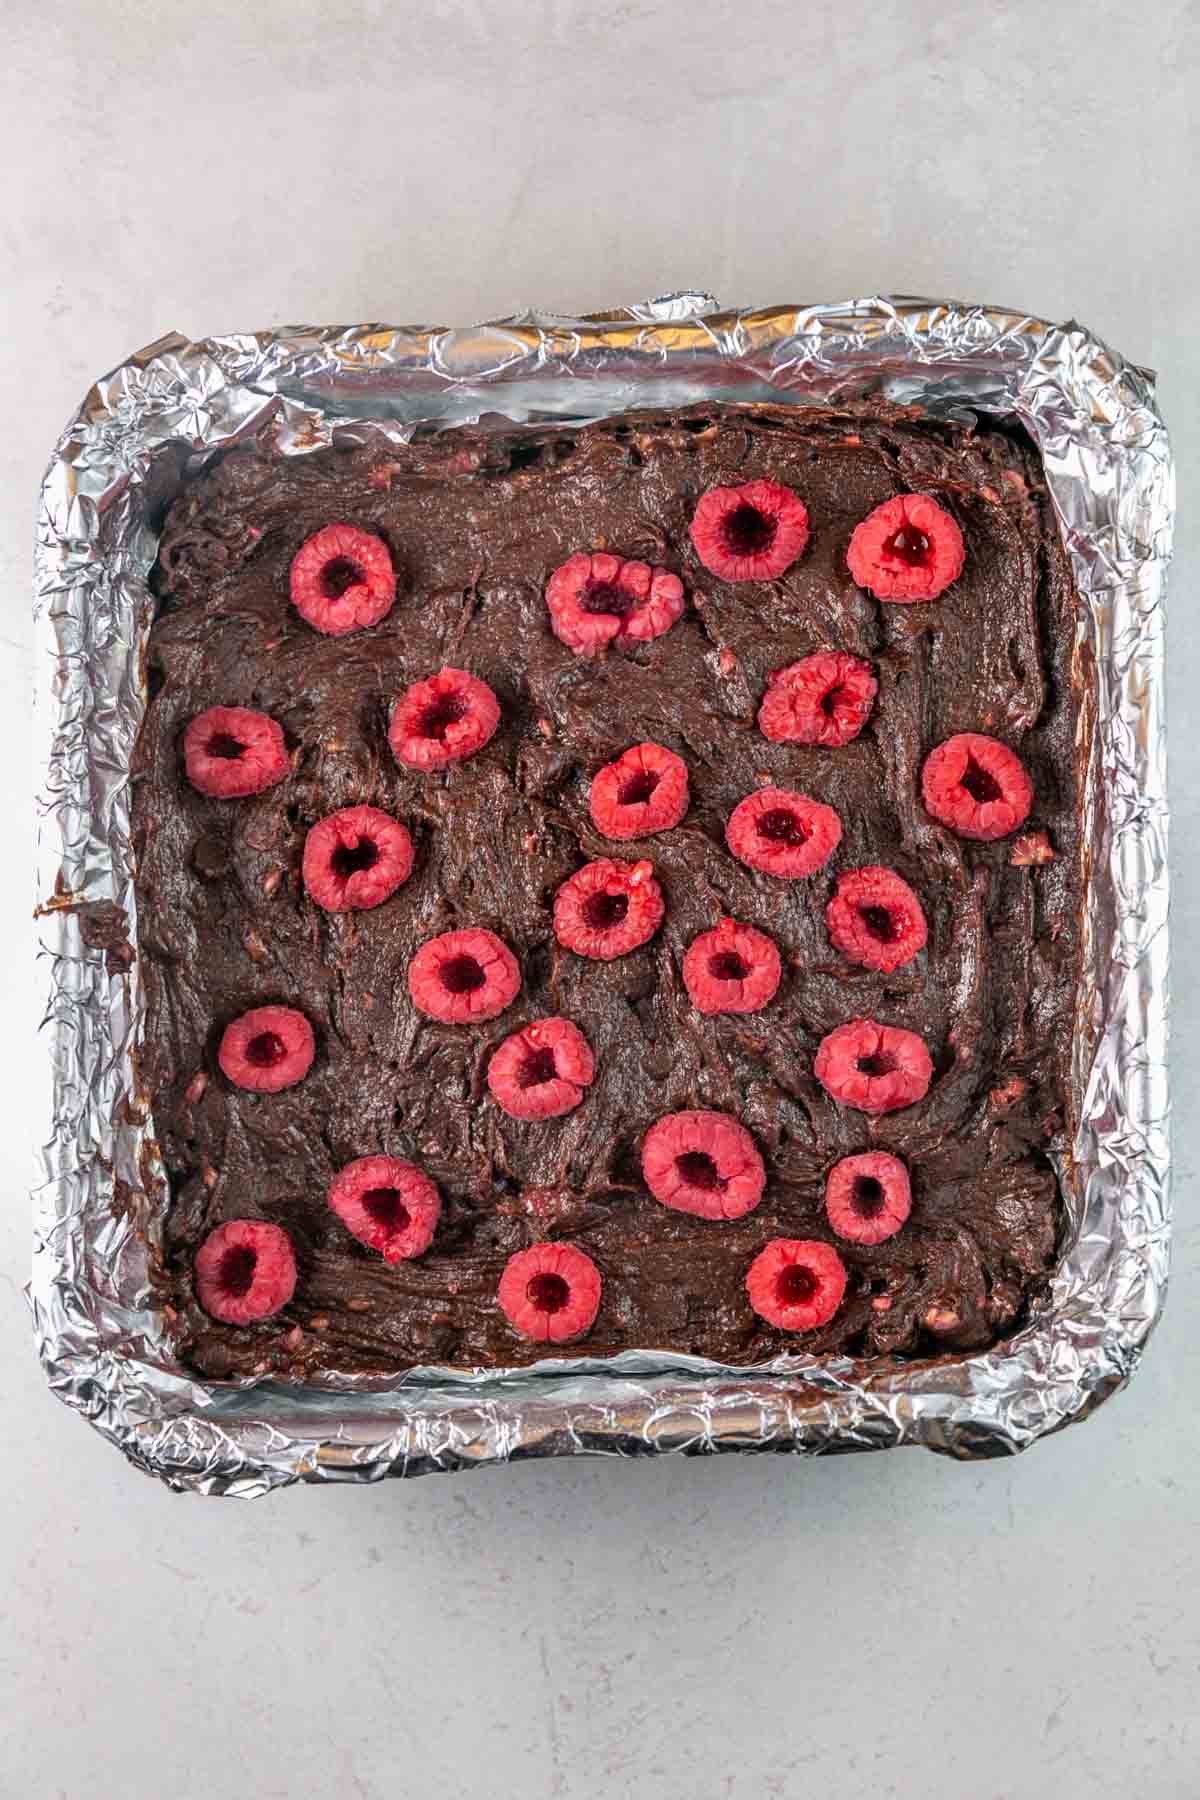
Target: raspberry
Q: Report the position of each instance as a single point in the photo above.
(356, 858)
(608, 908)
(342, 579)
(598, 600)
(1031, 850)
(542, 1070)
(443, 719)
(464, 977)
(783, 833)
(868, 1198)
(733, 969)
(749, 533)
(230, 752)
(796, 1283)
(822, 699)
(908, 549)
(550, 1293)
(876, 1068)
(267, 1050)
(388, 1205)
(1004, 1097)
(245, 1270)
(875, 919)
(977, 786)
(644, 791)
(549, 1209)
(703, 1163)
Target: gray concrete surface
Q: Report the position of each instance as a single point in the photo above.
(887, 1626)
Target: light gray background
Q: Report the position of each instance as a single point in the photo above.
(891, 1625)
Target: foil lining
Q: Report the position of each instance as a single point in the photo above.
(99, 1200)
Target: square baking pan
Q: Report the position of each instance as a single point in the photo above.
(155, 420)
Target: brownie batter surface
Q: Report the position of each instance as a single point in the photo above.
(476, 521)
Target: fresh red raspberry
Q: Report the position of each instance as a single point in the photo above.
(783, 833)
(644, 791)
(268, 1049)
(443, 719)
(822, 699)
(796, 1283)
(356, 858)
(598, 600)
(876, 1068)
(908, 549)
(704, 1163)
(749, 533)
(342, 579)
(245, 1270)
(389, 1205)
(541, 1071)
(732, 969)
(608, 908)
(868, 1197)
(550, 1293)
(230, 752)
(977, 786)
(464, 977)
(875, 919)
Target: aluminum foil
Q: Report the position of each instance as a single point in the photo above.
(100, 1199)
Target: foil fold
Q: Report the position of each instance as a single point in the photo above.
(99, 1199)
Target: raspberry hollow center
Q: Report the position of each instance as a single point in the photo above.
(226, 747)
(237, 1270)
(748, 532)
(387, 1209)
(637, 791)
(350, 860)
(879, 922)
(602, 911)
(445, 711)
(548, 1292)
(606, 597)
(265, 1050)
(780, 826)
(698, 1169)
(868, 1196)
(728, 966)
(831, 698)
(796, 1285)
(878, 1063)
(979, 783)
(537, 1068)
(908, 545)
(340, 573)
(462, 975)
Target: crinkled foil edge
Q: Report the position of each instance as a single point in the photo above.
(99, 1197)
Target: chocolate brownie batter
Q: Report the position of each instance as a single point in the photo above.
(475, 522)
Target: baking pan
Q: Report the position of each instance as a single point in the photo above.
(99, 1203)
